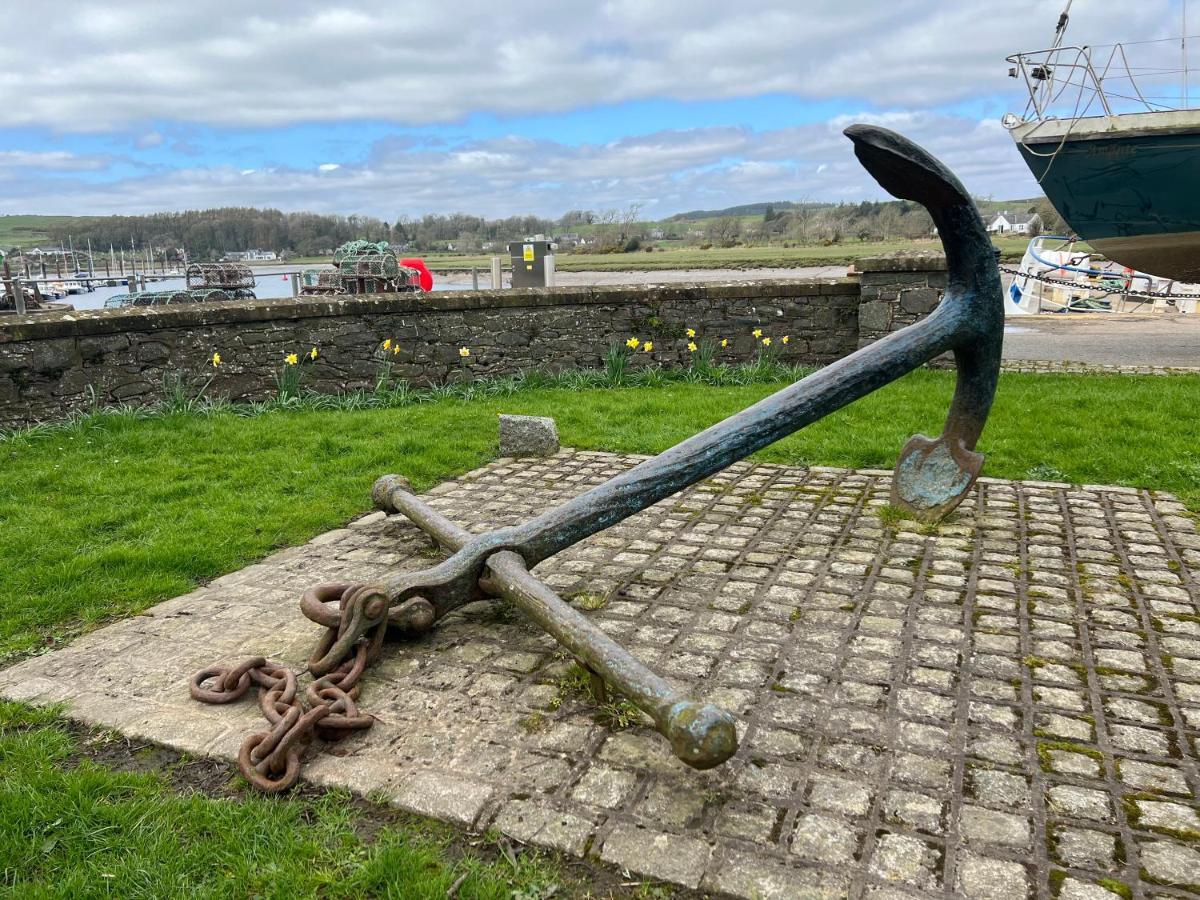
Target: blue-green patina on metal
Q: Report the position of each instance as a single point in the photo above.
(932, 477)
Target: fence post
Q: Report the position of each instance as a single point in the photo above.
(497, 274)
(295, 284)
(474, 278)
(12, 283)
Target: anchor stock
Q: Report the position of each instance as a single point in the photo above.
(932, 477)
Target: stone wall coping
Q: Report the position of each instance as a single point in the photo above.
(156, 318)
(902, 261)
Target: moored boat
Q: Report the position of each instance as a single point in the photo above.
(1116, 149)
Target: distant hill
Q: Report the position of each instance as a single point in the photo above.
(28, 231)
(746, 209)
(986, 206)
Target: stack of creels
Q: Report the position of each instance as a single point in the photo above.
(361, 267)
(224, 275)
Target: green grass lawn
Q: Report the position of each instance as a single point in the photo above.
(104, 518)
(109, 515)
(74, 827)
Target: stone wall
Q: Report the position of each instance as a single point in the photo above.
(52, 363)
(896, 291)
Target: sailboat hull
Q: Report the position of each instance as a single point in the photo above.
(1128, 185)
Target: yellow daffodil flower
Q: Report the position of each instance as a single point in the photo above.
(216, 360)
(313, 353)
(787, 338)
(724, 342)
(766, 342)
(396, 350)
(691, 332)
(464, 352)
(632, 343)
(291, 359)
(387, 345)
(757, 332)
(648, 346)
(692, 346)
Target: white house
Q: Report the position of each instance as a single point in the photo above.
(252, 256)
(1015, 223)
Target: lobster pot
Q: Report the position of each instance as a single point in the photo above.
(358, 249)
(228, 276)
(216, 295)
(370, 265)
(408, 280)
(321, 283)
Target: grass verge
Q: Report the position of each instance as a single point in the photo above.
(88, 814)
(112, 513)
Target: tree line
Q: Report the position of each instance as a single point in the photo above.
(209, 234)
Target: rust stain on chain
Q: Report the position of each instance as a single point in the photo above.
(270, 760)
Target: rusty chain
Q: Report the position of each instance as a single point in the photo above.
(270, 760)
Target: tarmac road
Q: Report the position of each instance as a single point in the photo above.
(1104, 339)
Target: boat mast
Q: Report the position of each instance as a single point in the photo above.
(1060, 31)
(1183, 52)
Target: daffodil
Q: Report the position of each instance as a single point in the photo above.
(692, 346)
(787, 338)
(464, 352)
(396, 350)
(312, 354)
(648, 346)
(757, 332)
(387, 345)
(216, 360)
(691, 332)
(633, 343)
(291, 359)
(766, 342)
(724, 342)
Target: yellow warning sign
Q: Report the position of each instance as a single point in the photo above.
(529, 253)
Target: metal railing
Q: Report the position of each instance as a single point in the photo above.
(1076, 82)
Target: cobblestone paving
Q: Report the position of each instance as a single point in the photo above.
(1005, 706)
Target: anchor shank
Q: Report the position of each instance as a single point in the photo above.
(737, 437)
(702, 735)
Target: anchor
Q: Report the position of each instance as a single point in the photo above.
(932, 477)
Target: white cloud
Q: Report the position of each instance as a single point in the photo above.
(94, 67)
(328, 167)
(52, 160)
(668, 172)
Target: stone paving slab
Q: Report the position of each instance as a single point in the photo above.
(1005, 706)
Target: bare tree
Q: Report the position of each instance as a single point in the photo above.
(725, 231)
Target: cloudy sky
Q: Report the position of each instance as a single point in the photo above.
(398, 109)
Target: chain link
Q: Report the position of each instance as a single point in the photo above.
(327, 709)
